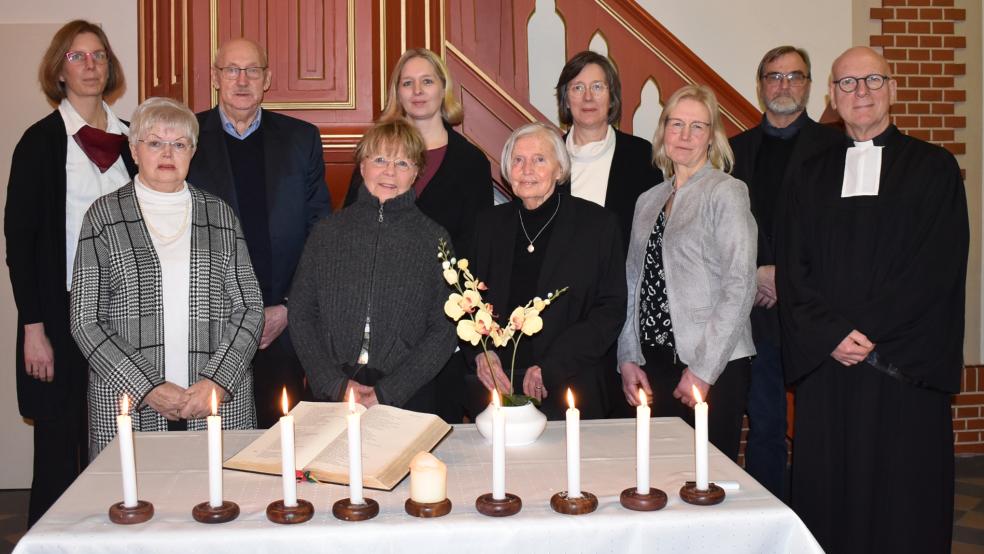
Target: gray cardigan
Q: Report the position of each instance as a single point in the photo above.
(117, 312)
(380, 258)
(709, 248)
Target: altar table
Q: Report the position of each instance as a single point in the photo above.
(172, 475)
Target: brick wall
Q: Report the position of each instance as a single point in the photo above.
(968, 412)
(920, 40)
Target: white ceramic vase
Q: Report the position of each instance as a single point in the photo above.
(524, 424)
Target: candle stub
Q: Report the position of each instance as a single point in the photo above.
(428, 479)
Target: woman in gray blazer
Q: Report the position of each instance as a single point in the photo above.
(691, 275)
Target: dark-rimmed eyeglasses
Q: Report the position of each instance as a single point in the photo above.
(578, 89)
(874, 81)
(78, 56)
(232, 72)
(793, 78)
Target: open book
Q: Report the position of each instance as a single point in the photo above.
(390, 438)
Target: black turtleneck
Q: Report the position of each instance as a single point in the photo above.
(526, 269)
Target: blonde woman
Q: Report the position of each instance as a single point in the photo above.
(691, 275)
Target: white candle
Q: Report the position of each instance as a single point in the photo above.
(287, 454)
(573, 448)
(128, 466)
(428, 479)
(700, 440)
(642, 445)
(498, 449)
(215, 455)
(355, 452)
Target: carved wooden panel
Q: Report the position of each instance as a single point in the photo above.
(163, 63)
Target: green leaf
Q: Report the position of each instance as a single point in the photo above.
(518, 400)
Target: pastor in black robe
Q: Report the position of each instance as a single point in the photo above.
(873, 449)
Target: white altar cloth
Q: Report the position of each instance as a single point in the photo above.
(172, 475)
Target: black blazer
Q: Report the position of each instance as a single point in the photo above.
(581, 328)
(297, 195)
(34, 225)
(813, 138)
(632, 174)
(459, 190)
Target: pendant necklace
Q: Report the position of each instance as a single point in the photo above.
(530, 248)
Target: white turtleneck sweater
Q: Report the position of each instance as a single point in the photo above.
(167, 216)
(590, 165)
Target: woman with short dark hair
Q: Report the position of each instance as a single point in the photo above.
(61, 165)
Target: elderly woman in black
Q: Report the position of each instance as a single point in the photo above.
(165, 304)
(60, 166)
(454, 184)
(541, 242)
(366, 305)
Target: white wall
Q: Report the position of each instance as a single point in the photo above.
(25, 31)
(732, 36)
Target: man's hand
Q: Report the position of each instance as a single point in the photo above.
(274, 323)
(39, 357)
(198, 399)
(765, 293)
(683, 391)
(487, 372)
(167, 399)
(853, 349)
(633, 379)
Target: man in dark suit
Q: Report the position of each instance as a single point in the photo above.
(270, 169)
(765, 159)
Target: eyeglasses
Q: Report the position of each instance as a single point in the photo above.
(402, 166)
(78, 56)
(596, 87)
(697, 128)
(157, 146)
(232, 72)
(874, 81)
(793, 78)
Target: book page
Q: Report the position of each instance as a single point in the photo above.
(388, 434)
(316, 424)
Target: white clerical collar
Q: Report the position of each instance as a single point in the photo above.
(590, 151)
(73, 121)
(862, 170)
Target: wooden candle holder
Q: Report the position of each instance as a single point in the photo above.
(278, 513)
(654, 500)
(345, 510)
(510, 505)
(205, 513)
(427, 509)
(691, 495)
(584, 504)
(143, 511)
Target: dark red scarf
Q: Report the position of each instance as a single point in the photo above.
(102, 148)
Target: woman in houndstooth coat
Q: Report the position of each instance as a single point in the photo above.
(165, 304)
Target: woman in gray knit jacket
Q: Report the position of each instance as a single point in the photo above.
(366, 306)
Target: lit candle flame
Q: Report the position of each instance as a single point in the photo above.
(125, 405)
(215, 403)
(495, 399)
(570, 398)
(697, 396)
(283, 401)
(351, 396)
(642, 398)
